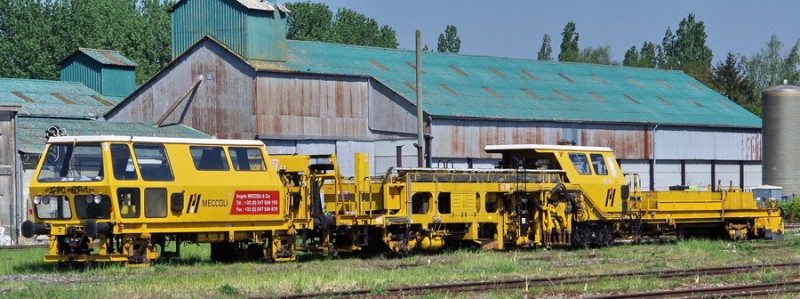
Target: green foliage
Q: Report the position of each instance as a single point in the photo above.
(771, 65)
(449, 41)
(316, 22)
(728, 79)
(690, 44)
(36, 35)
(308, 21)
(631, 57)
(599, 55)
(646, 58)
(569, 43)
(790, 208)
(546, 50)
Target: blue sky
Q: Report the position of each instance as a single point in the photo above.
(515, 28)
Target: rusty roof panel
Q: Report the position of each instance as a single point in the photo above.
(566, 77)
(631, 81)
(63, 98)
(102, 100)
(22, 96)
(457, 70)
(696, 103)
(490, 91)
(562, 95)
(663, 100)
(531, 94)
(445, 87)
(378, 64)
(598, 97)
(631, 98)
(598, 79)
(498, 73)
(530, 75)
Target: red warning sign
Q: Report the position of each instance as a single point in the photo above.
(255, 202)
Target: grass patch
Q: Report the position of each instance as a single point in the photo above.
(24, 274)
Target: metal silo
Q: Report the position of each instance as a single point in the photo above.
(781, 136)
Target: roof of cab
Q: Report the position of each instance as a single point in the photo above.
(109, 138)
(547, 147)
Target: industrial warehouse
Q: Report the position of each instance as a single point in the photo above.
(311, 97)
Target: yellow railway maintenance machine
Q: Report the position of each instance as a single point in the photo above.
(121, 199)
(539, 195)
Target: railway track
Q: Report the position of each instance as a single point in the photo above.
(526, 283)
(747, 290)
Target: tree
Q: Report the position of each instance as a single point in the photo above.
(631, 57)
(546, 50)
(316, 22)
(308, 21)
(449, 41)
(647, 57)
(728, 78)
(770, 66)
(666, 56)
(599, 55)
(569, 43)
(32, 48)
(690, 49)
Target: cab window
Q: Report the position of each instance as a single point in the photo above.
(209, 158)
(247, 158)
(122, 162)
(580, 162)
(67, 163)
(155, 202)
(598, 164)
(153, 162)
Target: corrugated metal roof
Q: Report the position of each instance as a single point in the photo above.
(104, 57)
(54, 98)
(502, 88)
(249, 4)
(31, 130)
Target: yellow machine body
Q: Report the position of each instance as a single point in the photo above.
(132, 195)
(539, 195)
(124, 199)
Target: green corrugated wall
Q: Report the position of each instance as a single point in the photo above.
(253, 34)
(81, 68)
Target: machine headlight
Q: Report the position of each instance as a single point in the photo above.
(89, 198)
(98, 198)
(46, 199)
(37, 199)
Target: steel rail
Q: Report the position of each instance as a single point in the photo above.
(527, 282)
(748, 290)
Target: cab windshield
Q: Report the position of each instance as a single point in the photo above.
(72, 163)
